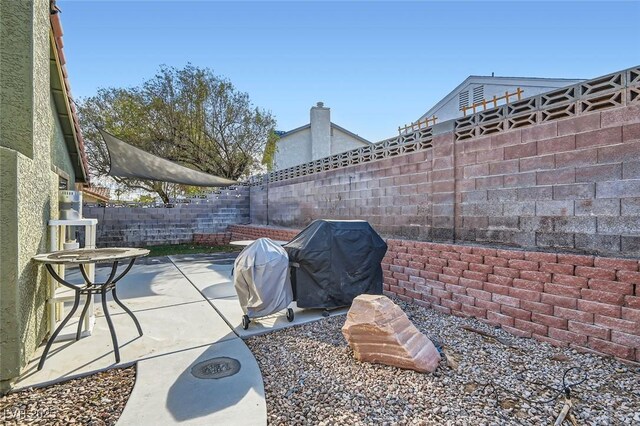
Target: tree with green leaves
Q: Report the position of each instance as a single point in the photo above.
(270, 150)
(189, 115)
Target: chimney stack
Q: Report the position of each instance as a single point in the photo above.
(320, 131)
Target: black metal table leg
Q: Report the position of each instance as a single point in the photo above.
(84, 312)
(107, 286)
(87, 303)
(89, 290)
(127, 310)
(58, 329)
(114, 340)
(125, 272)
(117, 300)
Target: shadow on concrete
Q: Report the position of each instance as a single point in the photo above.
(236, 399)
(219, 290)
(139, 284)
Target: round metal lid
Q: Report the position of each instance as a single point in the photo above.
(216, 368)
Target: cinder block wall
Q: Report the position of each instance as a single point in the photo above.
(394, 194)
(184, 223)
(570, 184)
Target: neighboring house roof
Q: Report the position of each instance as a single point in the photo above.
(487, 79)
(333, 125)
(64, 101)
(98, 192)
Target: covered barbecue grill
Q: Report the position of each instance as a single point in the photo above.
(261, 280)
(332, 262)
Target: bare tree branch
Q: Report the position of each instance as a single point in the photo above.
(186, 115)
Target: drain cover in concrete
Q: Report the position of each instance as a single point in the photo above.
(216, 368)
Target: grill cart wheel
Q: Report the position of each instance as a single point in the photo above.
(290, 315)
(245, 321)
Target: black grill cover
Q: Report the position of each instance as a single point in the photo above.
(335, 261)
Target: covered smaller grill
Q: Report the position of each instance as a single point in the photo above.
(261, 280)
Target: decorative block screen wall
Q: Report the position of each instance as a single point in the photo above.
(556, 171)
(609, 91)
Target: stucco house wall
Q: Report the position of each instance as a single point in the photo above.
(341, 141)
(32, 158)
(293, 149)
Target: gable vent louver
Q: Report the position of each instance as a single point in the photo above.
(463, 99)
(478, 94)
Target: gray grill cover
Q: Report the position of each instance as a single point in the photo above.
(131, 162)
(261, 278)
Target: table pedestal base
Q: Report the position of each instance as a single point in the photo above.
(89, 290)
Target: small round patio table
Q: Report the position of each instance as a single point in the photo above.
(82, 257)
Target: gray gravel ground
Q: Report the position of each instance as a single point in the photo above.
(94, 400)
(311, 377)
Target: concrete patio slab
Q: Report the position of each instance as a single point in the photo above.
(230, 309)
(189, 312)
(166, 392)
(173, 314)
(212, 275)
(159, 282)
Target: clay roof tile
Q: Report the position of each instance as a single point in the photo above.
(56, 27)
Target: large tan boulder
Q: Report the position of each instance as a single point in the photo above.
(379, 331)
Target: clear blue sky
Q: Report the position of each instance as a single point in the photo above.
(377, 65)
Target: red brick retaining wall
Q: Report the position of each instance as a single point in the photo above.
(245, 232)
(581, 301)
(248, 232)
(564, 299)
(218, 239)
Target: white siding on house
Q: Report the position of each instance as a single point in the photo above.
(341, 142)
(476, 88)
(293, 149)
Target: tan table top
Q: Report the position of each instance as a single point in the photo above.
(85, 255)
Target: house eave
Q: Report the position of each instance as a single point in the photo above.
(65, 111)
(485, 79)
(334, 126)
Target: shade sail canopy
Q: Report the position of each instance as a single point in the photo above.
(131, 162)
